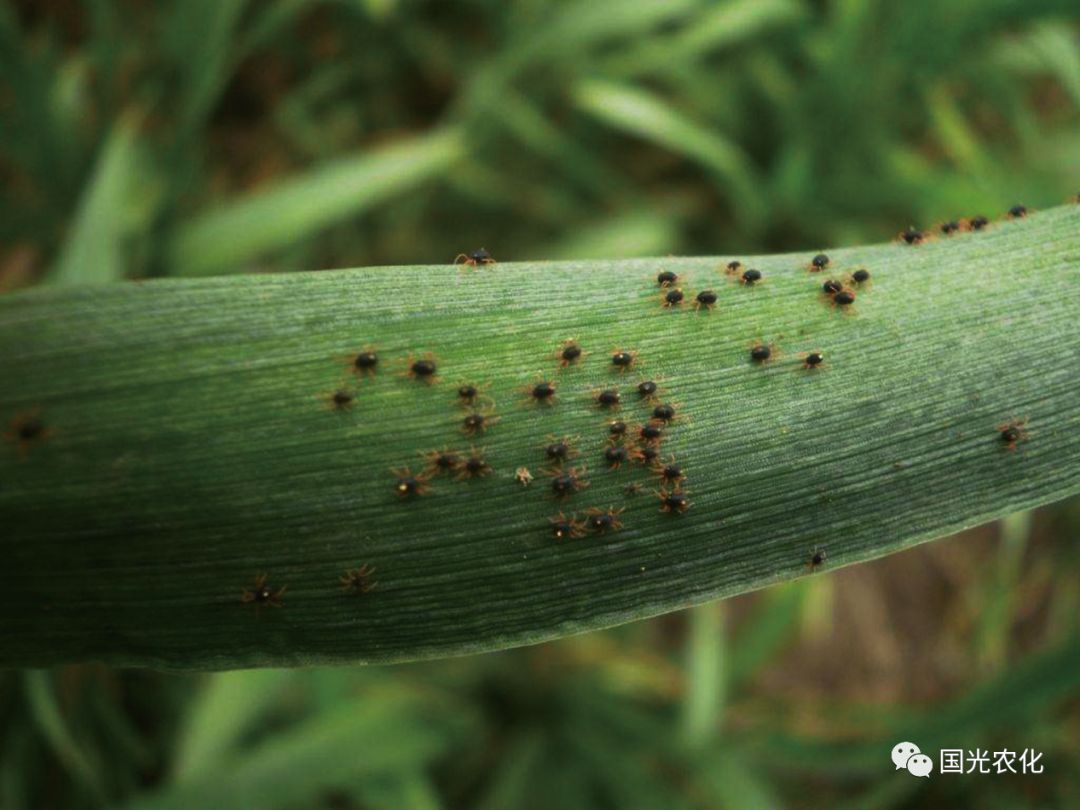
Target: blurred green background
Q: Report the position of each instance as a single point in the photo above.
(199, 137)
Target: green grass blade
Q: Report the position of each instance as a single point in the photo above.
(191, 445)
(238, 232)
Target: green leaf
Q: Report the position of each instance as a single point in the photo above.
(268, 220)
(190, 445)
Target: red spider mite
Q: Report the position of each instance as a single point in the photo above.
(478, 421)
(1013, 433)
(541, 393)
(667, 278)
(670, 471)
(26, 430)
(673, 297)
(912, 236)
(262, 594)
(616, 455)
(469, 394)
(607, 398)
(558, 449)
(706, 299)
(475, 258)
(358, 580)
(817, 558)
(673, 501)
(566, 482)
(408, 485)
(818, 263)
(601, 521)
(473, 466)
(569, 353)
(812, 360)
(763, 353)
(365, 362)
(424, 368)
(440, 462)
(623, 359)
(566, 528)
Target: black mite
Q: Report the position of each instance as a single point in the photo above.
(1018, 212)
(569, 353)
(366, 361)
(844, 298)
(912, 236)
(441, 461)
(424, 369)
(761, 353)
(566, 528)
(813, 360)
(602, 521)
(664, 412)
(616, 455)
(817, 559)
(559, 450)
(667, 278)
(977, 223)
(468, 393)
(617, 427)
(751, 276)
(609, 398)
(819, 262)
(407, 485)
(647, 389)
(566, 483)
(474, 258)
(263, 594)
(651, 431)
(542, 392)
(477, 422)
(1012, 433)
(474, 466)
(861, 276)
(672, 501)
(649, 454)
(950, 227)
(341, 399)
(623, 359)
(831, 287)
(673, 298)
(706, 299)
(671, 472)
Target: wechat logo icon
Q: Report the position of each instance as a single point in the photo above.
(907, 755)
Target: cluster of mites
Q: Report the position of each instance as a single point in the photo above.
(625, 443)
(952, 227)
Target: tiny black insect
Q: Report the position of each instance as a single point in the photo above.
(649, 454)
(559, 450)
(25, 430)
(817, 559)
(366, 361)
(467, 393)
(950, 227)
(813, 360)
(425, 368)
(1018, 212)
(670, 472)
(603, 520)
(977, 223)
(616, 455)
(733, 267)
(341, 399)
(761, 352)
(358, 580)
(665, 412)
(1013, 433)
(569, 353)
(477, 422)
(263, 594)
(476, 257)
(623, 359)
(844, 298)
(441, 461)
(566, 528)
(647, 388)
(567, 482)
(617, 427)
(912, 236)
(651, 431)
(831, 287)
(543, 392)
(819, 262)
(751, 276)
(474, 466)
(666, 278)
(673, 298)
(861, 276)
(705, 299)
(672, 501)
(608, 398)
(406, 485)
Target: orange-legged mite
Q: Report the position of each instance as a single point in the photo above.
(566, 528)
(912, 236)
(441, 462)
(763, 353)
(339, 400)
(673, 501)
(469, 394)
(365, 362)
(601, 521)
(812, 360)
(262, 594)
(540, 393)
(408, 485)
(566, 482)
(817, 558)
(475, 258)
(473, 466)
(706, 299)
(1013, 433)
(558, 449)
(672, 297)
(667, 278)
(358, 580)
(670, 472)
(569, 353)
(607, 398)
(615, 455)
(734, 268)
(818, 263)
(424, 368)
(478, 421)
(26, 430)
(623, 359)
(1017, 212)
